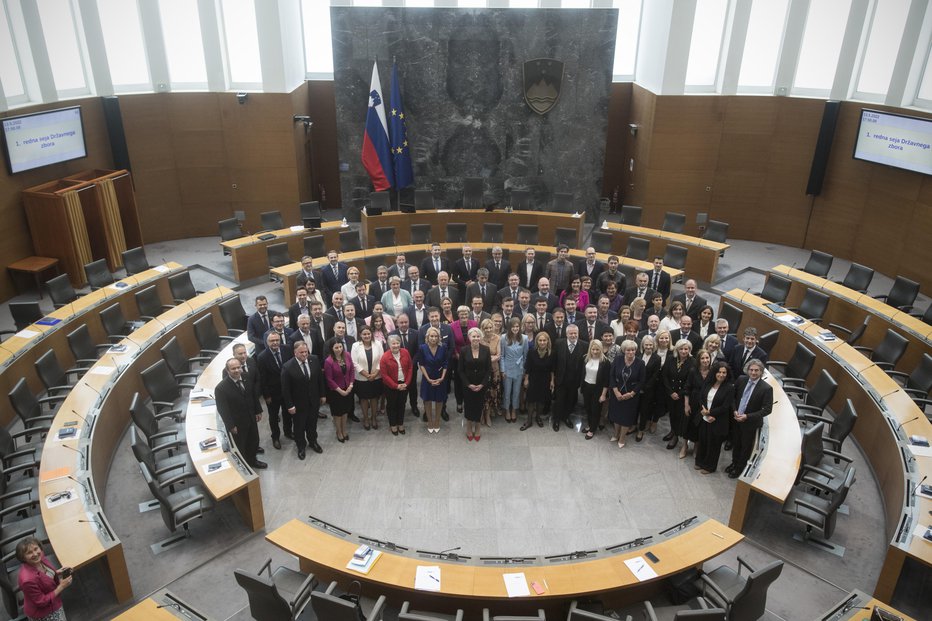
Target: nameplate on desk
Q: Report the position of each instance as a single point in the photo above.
(27, 334)
(48, 321)
(102, 370)
(216, 466)
(68, 433)
(161, 268)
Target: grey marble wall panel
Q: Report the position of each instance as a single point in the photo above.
(461, 74)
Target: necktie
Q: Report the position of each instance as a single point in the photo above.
(245, 368)
(468, 265)
(514, 295)
(336, 271)
(540, 322)
(307, 373)
(498, 265)
(656, 280)
(404, 340)
(413, 287)
(482, 290)
(746, 396)
(363, 299)
(278, 359)
(591, 331)
(340, 314)
(689, 303)
(437, 265)
(443, 293)
(265, 320)
(747, 355)
(640, 293)
(240, 385)
(572, 346)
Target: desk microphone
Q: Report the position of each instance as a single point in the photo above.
(84, 485)
(79, 452)
(919, 484)
(447, 552)
(84, 420)
(225, 445)
(100, 397)
(900, 426)
(93, 521)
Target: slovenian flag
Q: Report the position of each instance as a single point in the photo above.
(401, 153)
(376, 152)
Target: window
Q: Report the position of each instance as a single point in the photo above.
(126, 54)
(883, 43)
(181, 30)
(574, 4)
(762, 44)
(523, 4)
(821, 46)
(318, 53)
(472, 4)
(10, 76)
(244, 69)
(626, 38)
(706, 43)
(64, 49)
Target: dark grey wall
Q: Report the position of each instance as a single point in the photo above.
(461, 74)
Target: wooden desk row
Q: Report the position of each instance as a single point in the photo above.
(163, 605)
(239, 482)
(859, 605)
(701, 256)
(19, 353)
(886, 418)
(471, 583)
(99, 404)
(481, 251)
(547, 223)
(250, 257)
(849, 308)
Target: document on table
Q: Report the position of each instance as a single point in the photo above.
(427, 578)
(641, 570)
(921, 451)
(516, 585)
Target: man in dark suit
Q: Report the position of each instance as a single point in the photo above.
(753, 401)
(557, 326)
(301, 307)
(250, 375)
(692, 301)
(476, 312)
(303, 392)
(415, 283)
(639, 290)
(278, 326)
(508, 312)
(307, 272)
(333, 275)
(529, 271)
(363, 302)
(612, 274)
(570, 368)
(409, 341)
(740, 356)
(498, 267)
(482, 289)
(339, 334)
(590, 328)
(510, 291)
(606, 315)
(259, 323)
(379, 286)
(443, 290)
(399, 268)
(653, 325)
(417, 313)
(729, 342)
(659, 280)
(590, 266)
(434, 264)
(351, 321)
(310, 337)
(321, 322)
(541, 316)
(240, 410)
(446, 332)
(270, 362)
(686, 332)
(464, 269)
(573, 315)
(544, 293)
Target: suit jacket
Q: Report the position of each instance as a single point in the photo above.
(632, 292)
(480, 317)
(251, 378)
(736, 361)
(256, 329)
(598, 267)
(728, 346)
(413, 342)
(400, 273)
(303, 277)
(285, 335)
(584, 329)
(503, 294)
(329, 283)
(488, 300)
(359, 323)
(237, 408)
(346, 340)
(723, 406)
(419, 285)
(376, 290)
(461, 275)
(498, 277)
(294, 312)
(601, 283)
(316, 345)
(691, 336)
(270, 374)
(300, 392)
(429, 272)
(663, 285)
(370, 302)
(695, 307)
(554, 333)
(433, 297)
(389, 368)
(529, 282)
(476, 370)
(412, 316)
(570, 367)
(760, 403)
(552, 300)
(327, 320)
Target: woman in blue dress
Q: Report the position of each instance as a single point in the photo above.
(432, 360)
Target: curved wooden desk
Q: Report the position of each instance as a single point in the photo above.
(547, 223)
(163, 605)
(78, 530)
(849, 308)
(249, 255)
(19, 353)
(481, 251)
(239, 482)
(701, 256)
(476, 582)
(859, 605)
(886, 417)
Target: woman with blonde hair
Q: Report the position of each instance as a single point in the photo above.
(594, 385)
(514, 347)
(367, 358)
(493, 396)
(538, 379)
(432, 360)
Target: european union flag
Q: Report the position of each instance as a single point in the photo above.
(398, 133)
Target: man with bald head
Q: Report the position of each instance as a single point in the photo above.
(239, 408)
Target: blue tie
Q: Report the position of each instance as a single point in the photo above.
(746, 396)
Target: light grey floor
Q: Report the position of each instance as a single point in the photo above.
(513, 493)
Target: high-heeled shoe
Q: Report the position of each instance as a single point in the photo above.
(478, 438)
(469, 437)
(525, 426)
(341, 440)
(683, 450)
(639, 436)
(394, 432)
(668, 437)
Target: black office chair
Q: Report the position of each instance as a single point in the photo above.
(819, 264)
(602, 241)
(673, 222)
(703, 613)
(821, 468)
(83, 349)
(716, 231)
(918, 383)
(25, 314)
(527, 235)
(98, 274)
(208, 339)
(406, 614)
(379, 203)
(164, 390)
(926, 316)
(768, 340)
(19, 466)
(314, 246)
(631, 215)
(733, 315)
(282, 594)
(675, 257)
(743, 596)
(115, 324)
(423, 200)
(851, 336)
(328, 605)
(776, 289)
(486, 616)
(493, 233)
(229, 229)
(456, 233)
(858, 278)
(888, 352)
(566, 236)
(385, 236)
(562, 203)
(420, 234)
(149, 304)
(29, 408)
(521, 200)
(818, 512)
(179, 364)
(638, 248)
(816, 400)
(60, 290)
(812, 307)
(178, 508)
(839, 428)
(278, 255)
(182, 288)
(165, 468)
(271, 220)
(234, 316)
(161, 432)
(135, 261)
(55, 379)
(310, 211)
(473, 189)
(797, 368)
(349, 241)
(902, 295)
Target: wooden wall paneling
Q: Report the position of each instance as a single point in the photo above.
(917, 247)
(196, 112)
(642, 114)
(323, 111)
(878, 244)
(619, 112)
(303, 143)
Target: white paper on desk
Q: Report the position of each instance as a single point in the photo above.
(161, 268)
(102, 370)
(920, 532)
(218, 466)
(296, 228)
(791, 318)
(921, 451)
(920, 494)
(427, 578)
(516, 585)
(27, 334)
(641, 570)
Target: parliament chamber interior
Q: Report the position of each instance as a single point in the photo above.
(453, 309)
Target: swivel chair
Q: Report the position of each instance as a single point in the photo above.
(149, 304)
(858, 277)
(178, 508)
(602, 241)
(631, 215)
(902, 295)
(407, 615)
(918, 383)
(673, 222)
(60, 290)
(278, 595)
(98, 274)
(819, 264)
(329, 606)
(888, 352)
(812, 307)
(776, 289)
(135, 261)
(182, 288)
(208, 339)
(234, 316)
(638, 248)
(797, 368)
(271, 220)
(743, 596)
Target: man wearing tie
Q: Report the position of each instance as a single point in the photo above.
(307, 272)
(543, 293)
(477, 313)
(499, 268)
(353, 325)
(443, 290)
(660, 280)
(334, 274)
(511, 291)
(530, 271)
(363, 302)
(300, 307)
(557, 326)
(400, 268)
(321, 322)
(250, 375)
(415, 282)
(692, 301)
(379, 286)
(483, 289)
(278, 326)
(311, 338)
(753, 401)
(259, 323)
(729, 343)
(417, 314)
(639, 290)
(303, 392)
(541, 316)
(464, 269)
(239, 408)
(434, 264)
(590, 328)
(270, 362)
(740, 356)
(336, 306)
(570, 367)
(408, 341)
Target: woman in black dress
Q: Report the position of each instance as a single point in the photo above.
(648, 414)
(716, 403)
(625, 382)
(698, 376)
(538, 379)
(475, 368)
(675, 376)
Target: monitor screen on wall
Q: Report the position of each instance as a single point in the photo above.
(895, 140)
(43, 138)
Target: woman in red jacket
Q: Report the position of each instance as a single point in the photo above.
(40, 583)
(397, 371)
